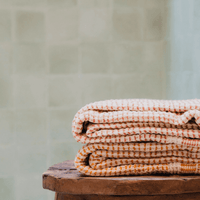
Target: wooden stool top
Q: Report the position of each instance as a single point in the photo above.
(64, 178)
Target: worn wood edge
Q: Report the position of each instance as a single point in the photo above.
(63, 196)
(63, 177)
(120, 186)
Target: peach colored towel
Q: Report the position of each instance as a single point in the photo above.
(138, 136)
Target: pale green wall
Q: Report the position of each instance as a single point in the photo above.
(58, 55)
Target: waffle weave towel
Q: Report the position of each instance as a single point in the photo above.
(138, 137)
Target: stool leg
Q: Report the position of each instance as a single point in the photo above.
(56, 196)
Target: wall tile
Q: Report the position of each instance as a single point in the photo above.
(196, 84)
(176, 19)
(6, 127)
(26, 187)
(127, 86)
(31, 127)
(128, 58)
(183, 85)
(6, 2)
(7, 189)
(167, 3)
(62, 25)
(94, 3)
(29, 2)
(174, 84)
(154, 3)
(60, 124)
(188, 83)
(95, 24)
(175, 49)
(128, 3)
(64, 59)
(127, 25)
(50, 194)
(5, 25)
(30, 26)
(32, 159)
(153, 56)
(62, 151)
(196, 53)
(65, 91)
(8, 161)
(151, 84)
(196, 17)
(166, 24)
(6, 84)
(95, 88)
(153, 24)
(66, 3)
(29, 59)
(30, 92)
(196, 5)
(95, 58)
(187, 50)
(186, 11)
(146, 85)
(5, 60)
(6, 92)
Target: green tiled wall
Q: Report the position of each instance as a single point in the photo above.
(58, 55)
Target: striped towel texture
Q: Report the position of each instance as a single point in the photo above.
(138, 136)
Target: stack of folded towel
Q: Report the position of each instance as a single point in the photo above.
(138, 136)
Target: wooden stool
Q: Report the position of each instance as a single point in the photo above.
(68, 183)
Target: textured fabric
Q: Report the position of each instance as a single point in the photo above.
(137, 158)
(120, 134)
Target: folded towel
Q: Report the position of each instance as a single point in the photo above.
(138, 137)
(137, 158)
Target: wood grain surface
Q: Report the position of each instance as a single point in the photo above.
(64, 178)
